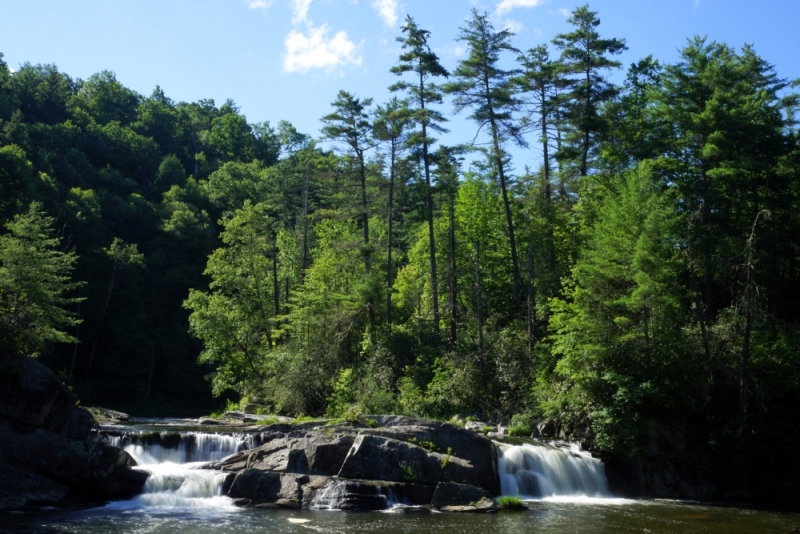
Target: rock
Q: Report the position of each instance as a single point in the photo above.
(302, 452)
(234, 415)
(251, 407)
(545, 430)
(452, 494)
(378, 458)
(19, 488)
(32, 396)
(209, 421)
(104, 415)
(483, 505)
(476, 449)
(478, 426)
(261, 487)
(362, 495)
(93, 468)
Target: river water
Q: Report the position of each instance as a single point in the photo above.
(564, 487)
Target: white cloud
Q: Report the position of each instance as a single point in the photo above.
(504, 6)
(258, 4)
(565, 12)
(299, 10)
(387, 9)
(315, 50)
(514, 26)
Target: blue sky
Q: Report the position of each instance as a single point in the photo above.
(286, 59)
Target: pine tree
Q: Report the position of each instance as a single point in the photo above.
(481, 85)
(420, 60)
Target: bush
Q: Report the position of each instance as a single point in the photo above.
(519, 430)
(511, 503)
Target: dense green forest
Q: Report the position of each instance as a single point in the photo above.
(155, 252)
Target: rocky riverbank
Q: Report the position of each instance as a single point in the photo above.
(45, 457)
(366, 465)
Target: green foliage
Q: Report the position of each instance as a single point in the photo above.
(408, 474)
(510, 503)
(35, 284)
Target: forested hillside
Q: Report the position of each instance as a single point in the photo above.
(646, 270)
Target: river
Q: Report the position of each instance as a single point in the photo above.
(563, 486)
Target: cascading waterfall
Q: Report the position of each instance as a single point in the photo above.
(535, 471)
(173, 460)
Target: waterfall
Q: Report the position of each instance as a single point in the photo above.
(174, 461)
(547, 471)
(180, 447)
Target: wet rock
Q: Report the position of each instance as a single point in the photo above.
(260, 487)
(362, 495)
(484, 505)
(478, 426)
(452, 494)
(545, 430)
(209, 421)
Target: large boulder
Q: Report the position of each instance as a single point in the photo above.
(256, 487)
(303, 452)
(32, 396)
(465, 444)
(20, 488)
(92, 468)
(379, 458)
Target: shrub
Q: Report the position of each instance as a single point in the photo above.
(511, 503)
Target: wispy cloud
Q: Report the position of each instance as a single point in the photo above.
(696, 4)
(387, 9)
(258, 4)
(565, 12)
(299, 10)
(314, 49)
(514, 26)
(504, 6)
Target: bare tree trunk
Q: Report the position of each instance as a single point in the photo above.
(304, 251)
(275, 286)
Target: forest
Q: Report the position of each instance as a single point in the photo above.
(166, 257)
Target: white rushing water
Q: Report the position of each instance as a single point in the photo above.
(173, 461)
(539, 471)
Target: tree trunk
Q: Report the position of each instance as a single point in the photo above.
(75, 348)
(453, 279)
(389, 238)
(531, 305)
(431, 238)
(479, 291)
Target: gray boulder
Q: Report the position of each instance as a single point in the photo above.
(379, 458)
(314, 453)
(482, 506)
(452, 494)
(467, 445)
(254, 487)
